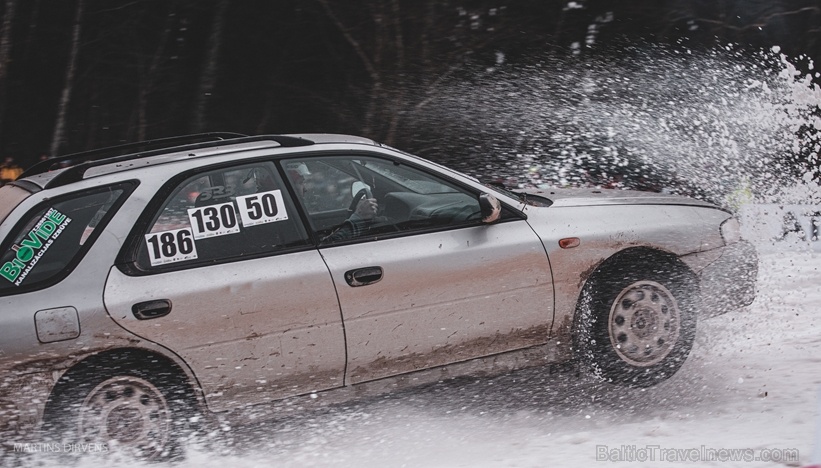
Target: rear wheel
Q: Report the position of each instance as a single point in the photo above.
(143, 413)
(129, 410)
(637, 321)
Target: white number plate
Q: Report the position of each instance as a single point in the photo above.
(213, 220)
(261, 208)
(170, 246)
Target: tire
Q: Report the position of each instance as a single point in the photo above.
(141, 412)
(636, 320)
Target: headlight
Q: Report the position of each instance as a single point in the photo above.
(730, 231)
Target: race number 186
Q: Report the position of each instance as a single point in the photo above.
(170, 246)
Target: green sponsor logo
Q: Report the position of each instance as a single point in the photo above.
(29, 251)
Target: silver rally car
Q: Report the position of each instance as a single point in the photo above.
(199, 275)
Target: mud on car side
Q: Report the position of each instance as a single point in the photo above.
(148, 287)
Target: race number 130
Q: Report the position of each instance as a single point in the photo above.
(261, 208)
(213, 220)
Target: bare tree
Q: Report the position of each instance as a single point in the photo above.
(370, 62)
(208, 78)
(148, 75)
(58, 137)
(5, 53)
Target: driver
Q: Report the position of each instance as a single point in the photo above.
(356, 224)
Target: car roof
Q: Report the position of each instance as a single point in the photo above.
(319, 138)
(67, 169)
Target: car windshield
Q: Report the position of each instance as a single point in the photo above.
(504, 191)
(523, 197)
(10, 197)
(408, 178)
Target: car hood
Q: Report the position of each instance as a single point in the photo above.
(591, 197)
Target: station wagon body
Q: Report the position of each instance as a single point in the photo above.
(213, 275)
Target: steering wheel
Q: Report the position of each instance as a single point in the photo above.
(356, 199)
(382, 223)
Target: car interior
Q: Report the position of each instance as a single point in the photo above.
(408, 199)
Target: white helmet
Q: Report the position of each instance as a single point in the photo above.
(298, 169)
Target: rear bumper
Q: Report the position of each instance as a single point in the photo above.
(729, 282)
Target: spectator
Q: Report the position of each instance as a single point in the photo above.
(9, 170)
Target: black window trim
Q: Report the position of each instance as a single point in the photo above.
(126, 260)
(513, 213)
(127, 187)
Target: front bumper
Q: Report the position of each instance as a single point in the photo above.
(729, 282)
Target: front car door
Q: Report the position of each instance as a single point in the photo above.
(424, 283)
(225, 276)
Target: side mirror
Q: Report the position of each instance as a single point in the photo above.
(491, 208)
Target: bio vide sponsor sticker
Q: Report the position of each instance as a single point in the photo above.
(32, 248)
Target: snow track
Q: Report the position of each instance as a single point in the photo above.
(745, 397)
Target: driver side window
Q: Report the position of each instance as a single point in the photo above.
(358, 197)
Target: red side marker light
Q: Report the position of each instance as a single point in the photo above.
(569, 242)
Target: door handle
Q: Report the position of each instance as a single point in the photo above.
(363, 276)
(151, 309)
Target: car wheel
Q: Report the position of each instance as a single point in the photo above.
(637, 321)
(138, 412)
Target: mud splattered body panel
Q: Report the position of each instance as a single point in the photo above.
(251, 331)
(606, 227)
(253, 326)
(444, 297)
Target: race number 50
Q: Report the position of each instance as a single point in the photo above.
(261, 208)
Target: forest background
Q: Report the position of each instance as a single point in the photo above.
(81, 74)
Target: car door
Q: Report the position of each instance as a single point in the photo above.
(225, 277)
(426, 283)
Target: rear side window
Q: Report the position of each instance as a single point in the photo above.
(222, 215)
(53, 238)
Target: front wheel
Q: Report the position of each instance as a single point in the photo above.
(637, 321)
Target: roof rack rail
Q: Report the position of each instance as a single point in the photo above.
(76, 172)
(117, 150)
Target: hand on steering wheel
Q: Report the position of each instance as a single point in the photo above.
(365, 208)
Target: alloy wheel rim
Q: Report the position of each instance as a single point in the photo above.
(644, 323)
(128, 411)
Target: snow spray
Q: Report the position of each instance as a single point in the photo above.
(726, 125)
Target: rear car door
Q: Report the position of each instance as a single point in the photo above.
(424, 283)
(225, 276)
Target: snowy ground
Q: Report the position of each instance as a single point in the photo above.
(751, 382)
